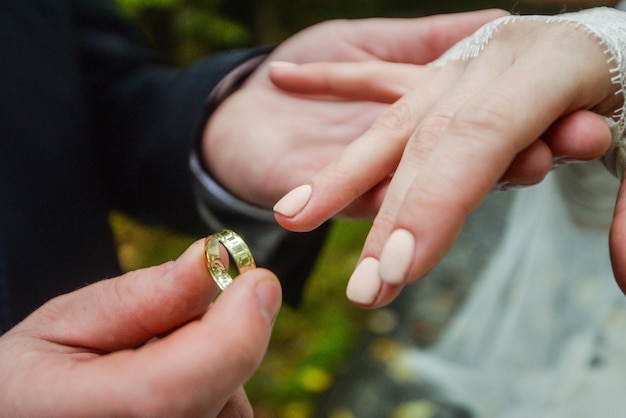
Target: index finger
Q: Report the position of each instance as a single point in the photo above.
(193, 371)
(126, 311)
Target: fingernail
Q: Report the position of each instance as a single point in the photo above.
(502, 187)
(294, 201)
(282, 64)
(364, 285)
(561, 161)
(505, 186)
(396, 257)
(269, 300)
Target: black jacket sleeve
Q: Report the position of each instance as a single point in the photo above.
(143, 114)
(145, 117)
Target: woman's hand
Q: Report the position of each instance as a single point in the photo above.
(499, 108)
(261, 141)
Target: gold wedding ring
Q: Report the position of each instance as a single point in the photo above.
(238, 251)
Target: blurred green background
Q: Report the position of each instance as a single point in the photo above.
(310, 344)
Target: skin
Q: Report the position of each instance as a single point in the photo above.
(468, 128)
(148, 343)
(291, 137)
(151, 343)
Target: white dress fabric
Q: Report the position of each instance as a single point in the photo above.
(543, 331)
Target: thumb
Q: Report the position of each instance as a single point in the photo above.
(197, 368)
(207, 360)
(194, 370)
(617, 238)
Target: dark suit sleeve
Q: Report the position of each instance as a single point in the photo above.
(144, 117)
(143, 114)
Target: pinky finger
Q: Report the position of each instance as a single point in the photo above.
(528, 167)
(581, 136)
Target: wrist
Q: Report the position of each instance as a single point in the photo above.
(215, 203)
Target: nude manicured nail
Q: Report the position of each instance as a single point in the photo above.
(396, 257)
(269, 299)
(364, 284)
(294, 201)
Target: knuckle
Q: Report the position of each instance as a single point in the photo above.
(385, 220)
(397, 118)
(426, 138)
(431, 128)
(486, 120)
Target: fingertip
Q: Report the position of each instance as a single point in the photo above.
(280, 69)
(289, 210)
(397, 256)
(582, 135)
(218, 352)
(190, 274)
(364, 284)
(192, 257)
(128, 310)
(529, 166)
(294, 202)
(262, 285)
(269, 296)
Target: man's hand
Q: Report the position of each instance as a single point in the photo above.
(262, 141)
(148, 343)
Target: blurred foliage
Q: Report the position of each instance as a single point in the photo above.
(309, 343)
(184, 30)
(141, 246)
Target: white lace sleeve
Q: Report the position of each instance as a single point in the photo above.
(605, 24)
